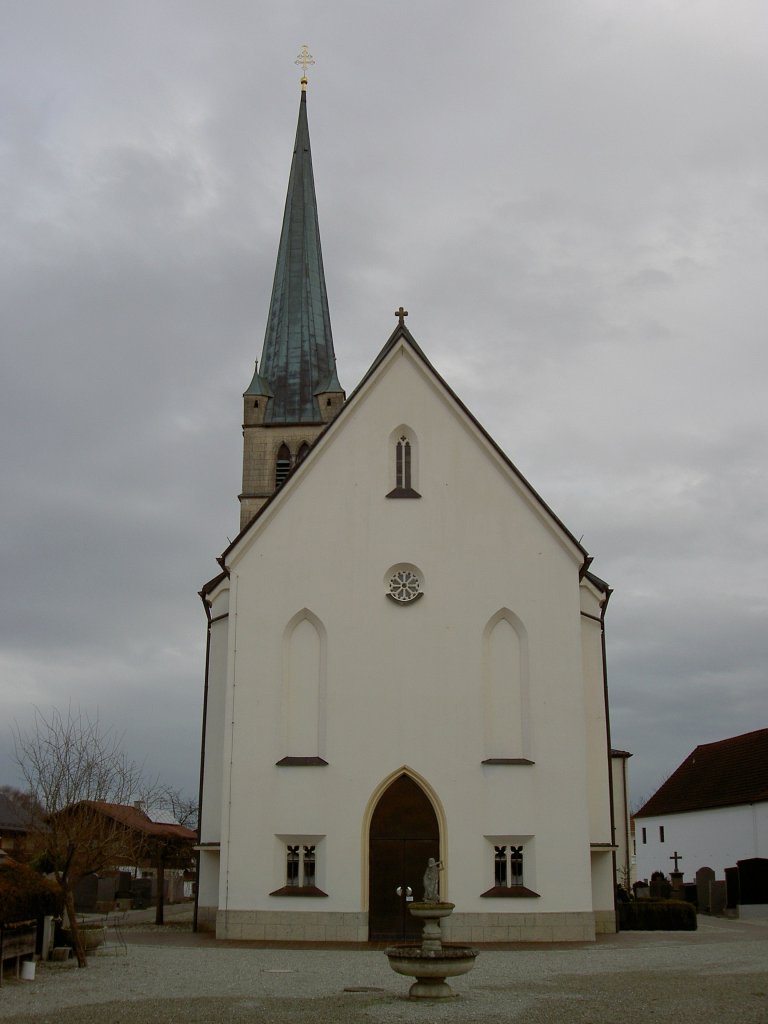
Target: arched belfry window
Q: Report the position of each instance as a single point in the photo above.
(302, 452)
(403, 455)
(282, 465)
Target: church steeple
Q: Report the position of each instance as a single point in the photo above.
(298, 359)
(295, 390)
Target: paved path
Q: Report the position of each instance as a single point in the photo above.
(717, 974)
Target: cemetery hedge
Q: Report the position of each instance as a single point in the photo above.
(650, 915)
(25, 895)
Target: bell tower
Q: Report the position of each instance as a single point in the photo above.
(295, 390)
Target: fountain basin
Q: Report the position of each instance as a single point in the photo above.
(431, 967)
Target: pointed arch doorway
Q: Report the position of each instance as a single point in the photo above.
(404, 833)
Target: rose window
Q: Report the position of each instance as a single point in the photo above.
(404, 585)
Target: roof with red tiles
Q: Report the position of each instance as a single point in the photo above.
(722, 774)
(136, 818)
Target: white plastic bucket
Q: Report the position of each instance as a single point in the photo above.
(27, 970)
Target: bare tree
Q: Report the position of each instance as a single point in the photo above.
(70, 763)
(182, 808)
(167, 850)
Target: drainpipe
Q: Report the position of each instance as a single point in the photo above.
(207, 607)
(609, 749)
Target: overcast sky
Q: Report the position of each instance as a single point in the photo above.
(570, 198)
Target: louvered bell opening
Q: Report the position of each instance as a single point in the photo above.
(283, 465)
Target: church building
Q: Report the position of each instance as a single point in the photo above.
(405, 657)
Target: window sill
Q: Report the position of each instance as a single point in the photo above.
(301, 762)
(417, 597)
(506, 892)
(403, 492)
(299, 890)
(507, 760)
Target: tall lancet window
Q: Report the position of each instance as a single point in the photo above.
(403, 463)
(282, 465)
(403, 447)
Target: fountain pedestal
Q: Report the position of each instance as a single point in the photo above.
(431, 962)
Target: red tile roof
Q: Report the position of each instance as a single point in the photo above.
(137, 819)
(732, 771)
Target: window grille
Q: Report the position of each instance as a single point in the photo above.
(507, 866)
(300, 866)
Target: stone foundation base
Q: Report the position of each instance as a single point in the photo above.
(292, 925)
(206, 919)
(319, 926)
(605, 922)
(565, 927)
(753, 910)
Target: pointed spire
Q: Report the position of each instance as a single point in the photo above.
(298, 360)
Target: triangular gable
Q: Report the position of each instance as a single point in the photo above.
(401, 337)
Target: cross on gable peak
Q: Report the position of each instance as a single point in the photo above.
(401, 314)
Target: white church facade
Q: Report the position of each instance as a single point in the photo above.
(405, 659)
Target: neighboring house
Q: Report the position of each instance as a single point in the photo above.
(14, 828)
(405, 658)
(117, 841)
(712, 811)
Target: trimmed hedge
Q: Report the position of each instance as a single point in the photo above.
(25, 895)
(650, 915)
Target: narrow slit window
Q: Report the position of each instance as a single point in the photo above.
(292, 866)
(500, 865)
(309, 866)
(516, 864)
(403, 463)
(406, 462)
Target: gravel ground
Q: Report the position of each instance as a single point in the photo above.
(719, 974)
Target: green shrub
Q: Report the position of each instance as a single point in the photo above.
(25, 895)
(649, 915)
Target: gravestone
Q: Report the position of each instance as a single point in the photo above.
(703, 878)
(660, 886)
(753, 886)
(717, 897)
(732, 888)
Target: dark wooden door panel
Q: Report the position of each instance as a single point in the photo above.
(385, 910)
(404, 834)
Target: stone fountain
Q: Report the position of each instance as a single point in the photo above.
(431, 962)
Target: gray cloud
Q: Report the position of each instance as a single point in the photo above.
(569, 198)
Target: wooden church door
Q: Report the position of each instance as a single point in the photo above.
(404, 834)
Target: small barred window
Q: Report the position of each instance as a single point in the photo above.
(300, 865)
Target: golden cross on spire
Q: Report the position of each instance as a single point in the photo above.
(306, 59)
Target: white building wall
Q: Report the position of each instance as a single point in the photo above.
(625, 859)
(714, 838)
(404, 684)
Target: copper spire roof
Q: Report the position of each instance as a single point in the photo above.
(298, 361)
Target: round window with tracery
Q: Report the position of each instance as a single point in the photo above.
(404, 586)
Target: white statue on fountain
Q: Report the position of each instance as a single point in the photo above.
(432, 881)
